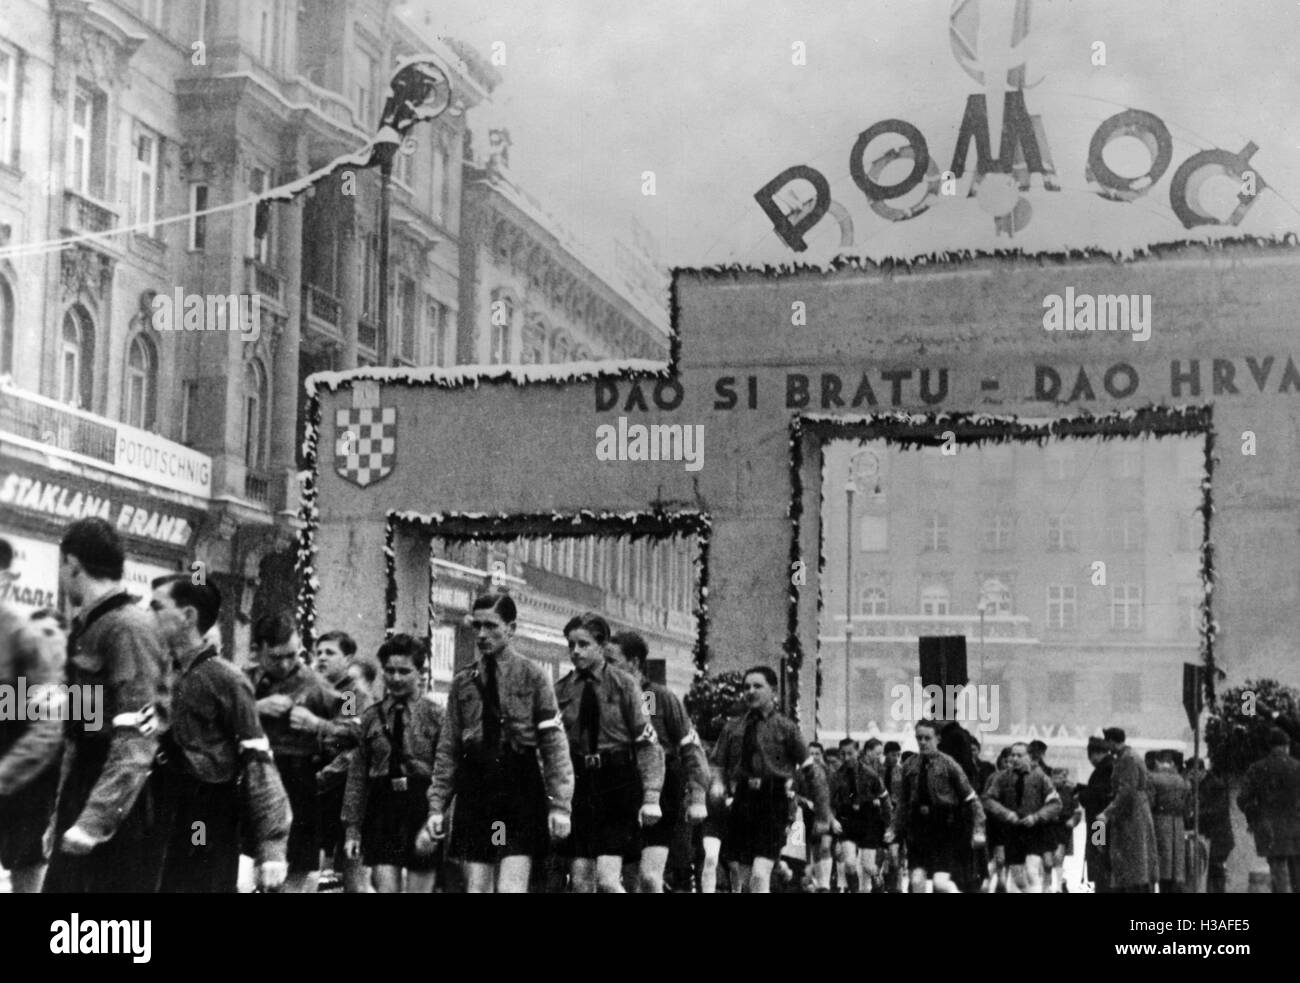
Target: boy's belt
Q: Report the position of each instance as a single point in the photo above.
(602, 759)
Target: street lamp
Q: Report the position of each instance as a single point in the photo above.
(863, 465)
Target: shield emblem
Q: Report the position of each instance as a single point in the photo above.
(365, 443)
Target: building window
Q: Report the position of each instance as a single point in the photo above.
(198, 222)
(1129, 534)
(934, 601)
(437, 178)
(8, 102)
(141, 397)
(997, 531)
(1060, 687)
(81, 138)
(436, 326)
(534, 344)
(259, 235)
(6, 328)
(936, 533)
(1126, 692)
(406, 317)
(255, 410)
(873, 602)
(560, 349)
(1061, 534)
(189, 409)
(875, 533)
(76, 360)
(1060, 606)
(369, 276)
(147, 186)
(995, 597)
(444, 191)
(363, 88)
(1126, 607)
(1060, 463)
(503, 323)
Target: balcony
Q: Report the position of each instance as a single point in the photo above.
(265, 281)
(367, 335)
(321, 305)
(44, 421)
(83, 215)
(257, 488)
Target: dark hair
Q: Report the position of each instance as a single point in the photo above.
(1115, 735)
(406, 645)
(97, 547)
(1277, 737)
(848, 742)
(590, 622)
(874, 742)
(633, 647)
(368, 667)
(205, 599)
(816, 744)
(1004, 754)
(907, 754)
(1038, 748)
(765, 671)
(933, 725)
(57, 616)
(892, 746)
(1098, 745)
(274, 629)
(501, 602)
(346, 643)
(1166, 755)
(6, 554)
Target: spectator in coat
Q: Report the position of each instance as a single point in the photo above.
(1169, 795)
(1215, 807)
(1270, 800)
(1130, 833)
(1094, 797)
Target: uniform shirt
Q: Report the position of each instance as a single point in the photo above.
(624, 725)
(530, 721)
(307, 689)
(28, 747)
(677, 737)
(947, 784)
(421, 728)
(1040, 798)
(342, 735)
(780, 748)
(213, 716)
(858, 785)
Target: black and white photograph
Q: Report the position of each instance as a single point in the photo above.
(757, 446)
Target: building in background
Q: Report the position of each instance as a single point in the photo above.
(127, 115)
(999, 543)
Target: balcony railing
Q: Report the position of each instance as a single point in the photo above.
(56, 427)
(83, 215)
(257, 488)
(322, 305)
(265, 281)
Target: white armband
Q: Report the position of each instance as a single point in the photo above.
(552, 724)
(256, 744)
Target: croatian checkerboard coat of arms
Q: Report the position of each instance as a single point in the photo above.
(365, 443)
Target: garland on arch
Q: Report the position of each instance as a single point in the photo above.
(501, 526)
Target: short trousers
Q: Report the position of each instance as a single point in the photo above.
(392, 823)
(298, 773)
(932, 842)
(24, 817)
(606, 805)
(1022, 842)
(500, 809)
(757, 822)
(210, 866)
(330, 804)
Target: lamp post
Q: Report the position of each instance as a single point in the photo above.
(864, 464)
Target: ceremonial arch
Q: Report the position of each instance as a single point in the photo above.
(769, 366)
